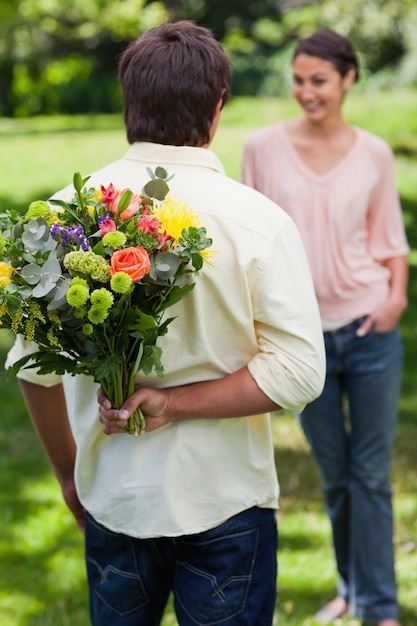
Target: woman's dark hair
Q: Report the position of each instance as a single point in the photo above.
(172, 79)
(330, 46)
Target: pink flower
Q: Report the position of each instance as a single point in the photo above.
(107, 193)
(107, 226)
(163, 239)
(149, 224)
(111, 197)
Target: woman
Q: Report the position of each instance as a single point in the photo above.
(337, 182)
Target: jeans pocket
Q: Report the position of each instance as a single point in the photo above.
(112, 571)
(212, 584)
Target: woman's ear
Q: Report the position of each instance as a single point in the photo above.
(349, 79)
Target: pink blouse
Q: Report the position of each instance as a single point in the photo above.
(350, 218)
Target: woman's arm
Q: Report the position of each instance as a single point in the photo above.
(387, 315)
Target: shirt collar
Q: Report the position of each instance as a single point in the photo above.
(188, 156)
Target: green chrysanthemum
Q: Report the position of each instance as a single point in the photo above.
(77, 295)
(121, 282)
(97, 314)
(102, 298)
(77, 280)
(40, 208)
(80, 313)
(114, 239)
(87, 329)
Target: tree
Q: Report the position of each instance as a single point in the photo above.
(54, 52)
(62, 57)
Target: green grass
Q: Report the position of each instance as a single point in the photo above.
(42, 579)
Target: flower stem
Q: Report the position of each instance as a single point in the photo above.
(136, 423)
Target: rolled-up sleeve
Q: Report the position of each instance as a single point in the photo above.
(290, 365)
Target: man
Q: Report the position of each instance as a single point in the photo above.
(189, 507)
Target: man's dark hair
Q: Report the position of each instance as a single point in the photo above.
(172, 79)
(330, 46)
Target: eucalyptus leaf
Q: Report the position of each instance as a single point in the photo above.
(31, 273)
(58, 296)
(36, 236)
(52, 269)
(156, 188)
(43, 288)
(160, 172)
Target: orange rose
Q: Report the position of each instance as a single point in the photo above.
(132, 261)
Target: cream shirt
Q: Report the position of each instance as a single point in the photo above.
(254, 306)
(349, 219)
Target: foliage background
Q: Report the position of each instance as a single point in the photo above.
(42, 578)
(60, 57)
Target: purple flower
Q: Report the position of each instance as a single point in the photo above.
(75, 234)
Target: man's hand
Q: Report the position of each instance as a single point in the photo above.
(234, 395)
(71, 500)
(153, 403)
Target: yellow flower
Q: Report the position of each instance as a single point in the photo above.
(94, 198)
(6, 273)
(207, 255)
(174, 216)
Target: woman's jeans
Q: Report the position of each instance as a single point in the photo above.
(350, 428)
(225, 576)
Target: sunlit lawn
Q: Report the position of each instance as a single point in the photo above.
(42, 580)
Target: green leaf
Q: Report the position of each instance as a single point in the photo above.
(31, 273)
(175, 295)
(138, 320)
(156, 188)
(160, 172)
(47, 362)
(102, 368)
(152, 360)
(124, 201)
(78, 181)
(99, 248)
(165, 266)
(197, 261)
(12, 302)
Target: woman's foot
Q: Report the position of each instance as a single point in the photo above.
(334, 609)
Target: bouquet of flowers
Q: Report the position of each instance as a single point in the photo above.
(89, 280)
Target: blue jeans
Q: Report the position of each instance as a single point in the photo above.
(225, 576)
(350, 428)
